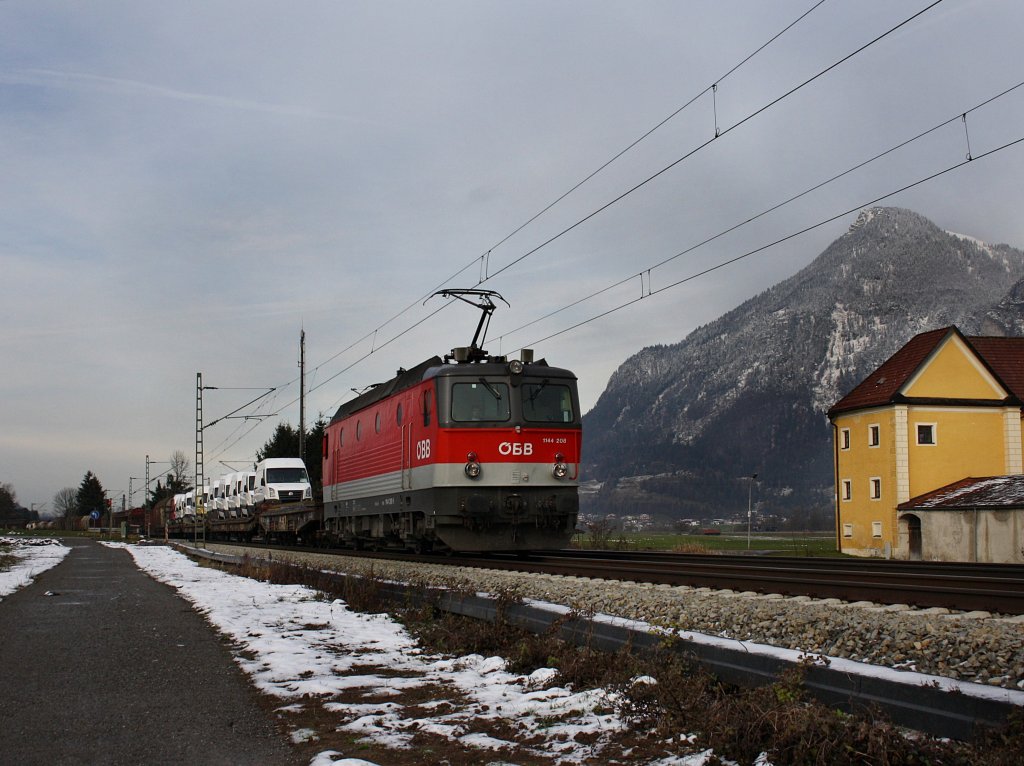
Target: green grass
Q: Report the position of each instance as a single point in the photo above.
(775, 543)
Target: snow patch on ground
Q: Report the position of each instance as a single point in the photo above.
(33, 556)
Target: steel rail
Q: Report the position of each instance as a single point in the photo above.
(954, 587)
(957, 586)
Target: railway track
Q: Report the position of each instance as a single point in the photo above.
(963, 587)
(958, 586)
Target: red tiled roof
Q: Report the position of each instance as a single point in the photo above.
(992, 492)
(1004, 357)
(879, 387)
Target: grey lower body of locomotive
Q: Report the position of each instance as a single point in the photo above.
(459, 518)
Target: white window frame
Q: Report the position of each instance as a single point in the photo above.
(844, 438)
(876, 529)
(935, 434)
(873, 483)
(847, 530)
(874, 429)
(846, 490)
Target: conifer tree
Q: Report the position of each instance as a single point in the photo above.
(90, 495)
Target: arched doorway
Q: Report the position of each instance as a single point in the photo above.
(911, 527)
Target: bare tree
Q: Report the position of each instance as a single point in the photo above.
(600, 533)
(179, 474)
(65, 504)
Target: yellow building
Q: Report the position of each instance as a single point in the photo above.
(943, 408)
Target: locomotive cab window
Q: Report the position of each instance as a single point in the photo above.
(481, 401)
(547, 403)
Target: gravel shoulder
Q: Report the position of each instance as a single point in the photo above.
(975, 647)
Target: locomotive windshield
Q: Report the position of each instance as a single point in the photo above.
(547, 403)
(480, 401)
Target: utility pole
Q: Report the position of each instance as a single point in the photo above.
(750, 497)
(302, 395)
(200, 507)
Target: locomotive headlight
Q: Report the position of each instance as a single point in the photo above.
(560, 470)
(473, 468)
(515, 367)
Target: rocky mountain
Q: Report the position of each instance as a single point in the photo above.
(680, 428)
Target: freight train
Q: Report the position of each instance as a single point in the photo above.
(470, 452)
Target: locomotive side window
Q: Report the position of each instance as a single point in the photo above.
(376, 423)
(341, 437)
(426, 408)
(547, 403)
(481, 401)
(398, 414)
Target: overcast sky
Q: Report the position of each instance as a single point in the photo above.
(186, 186)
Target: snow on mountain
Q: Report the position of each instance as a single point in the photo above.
(748, 392)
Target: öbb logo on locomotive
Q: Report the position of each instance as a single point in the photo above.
(524, 449)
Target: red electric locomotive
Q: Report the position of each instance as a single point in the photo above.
(469, 453)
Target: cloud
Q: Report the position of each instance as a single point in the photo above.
(186, 186)
(84, 81)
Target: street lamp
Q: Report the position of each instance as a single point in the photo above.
(750, 505)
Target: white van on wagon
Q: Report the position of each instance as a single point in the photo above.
(281, 480)
(247, 496)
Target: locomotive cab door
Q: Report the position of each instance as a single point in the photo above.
(406, 456)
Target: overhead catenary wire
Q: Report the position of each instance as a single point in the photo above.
(718, 133)
(636, 187)
(647, 134)
(484, 259)
(816, 187)
(968, 160)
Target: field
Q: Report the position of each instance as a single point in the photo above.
(761, 543)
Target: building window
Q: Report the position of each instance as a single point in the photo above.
(876, 488)
(926, 433)
(876, 529)
(847, 530)
(847, 489)
(874, 435)
(844, 439)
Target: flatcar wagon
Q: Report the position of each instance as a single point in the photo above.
(471, 452)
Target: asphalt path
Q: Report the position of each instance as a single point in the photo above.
(100, 664)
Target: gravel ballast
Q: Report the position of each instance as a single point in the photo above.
(975, 646)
